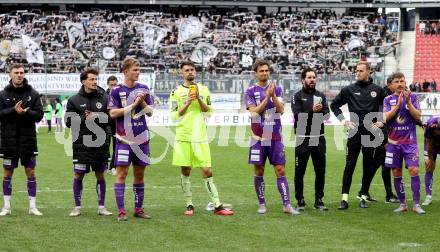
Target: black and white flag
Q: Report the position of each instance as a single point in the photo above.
(189, 28)
(76, 33)
(34, 54)
(153, 35)
(355, 43)
(203, 53)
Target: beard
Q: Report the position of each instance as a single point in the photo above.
(310, 87)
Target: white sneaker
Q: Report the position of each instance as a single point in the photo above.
(75, 212)
(210, 206)
(103, 211)
(428, 200)
(5, 211)
(34, 211)
(418, 210)
(402, 208)
(290, 210)
(262, 209)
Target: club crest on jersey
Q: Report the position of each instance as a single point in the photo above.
(98, 105)
(174, 105)
(400, 119)
(373, 94)
(29, 98)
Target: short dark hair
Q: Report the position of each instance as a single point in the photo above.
(258, 63)
(187, 63)
(389, 80)
(305, 71)
(111, 78)
(85, 74)
(396, 75)
(16, 65)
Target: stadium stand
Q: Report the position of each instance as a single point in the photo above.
(427, 56)
(290, 41)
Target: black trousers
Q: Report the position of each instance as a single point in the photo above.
(49, 125)
(302, 154)
(354, 147)
(379, 160)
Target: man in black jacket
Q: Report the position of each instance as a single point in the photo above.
(112, 81)
(310, 109)
(379, 160)
(363, 97)
(20, 109)
(87, 116)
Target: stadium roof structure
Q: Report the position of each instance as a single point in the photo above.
(268, 3)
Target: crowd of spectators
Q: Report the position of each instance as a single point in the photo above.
(424, 86)
(429, 27)
(290, 41)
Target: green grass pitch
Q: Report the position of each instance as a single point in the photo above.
(375, 228)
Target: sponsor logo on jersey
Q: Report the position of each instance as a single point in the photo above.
(81, 167)
(123, 96)
(393, 102)
(257, 97)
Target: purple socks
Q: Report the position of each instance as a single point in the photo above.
(283, 188)
(259, 189)
(138, 190)
(77, 191)
(119, 194)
